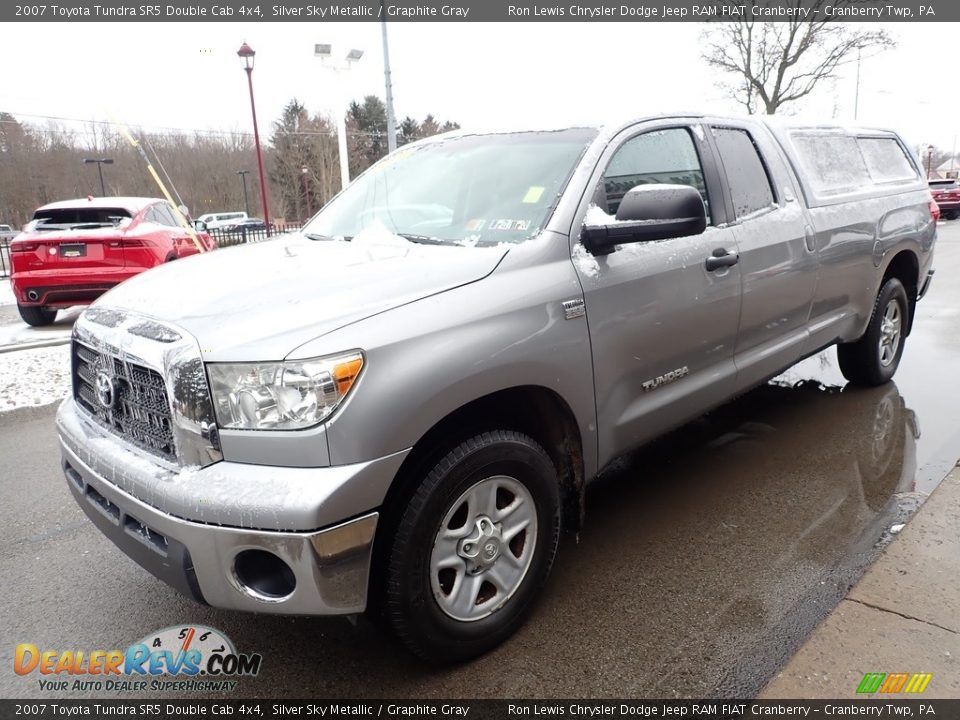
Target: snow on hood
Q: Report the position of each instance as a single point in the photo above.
(261, 301)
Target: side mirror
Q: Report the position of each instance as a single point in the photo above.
(649, 212)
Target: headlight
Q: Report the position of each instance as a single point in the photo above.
(281, 395)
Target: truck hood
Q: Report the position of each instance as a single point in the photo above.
(261, 301)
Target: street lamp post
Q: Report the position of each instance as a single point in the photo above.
(929, 159)
(324, 52)
(100, 163)
(391, 120)
(246, 203)
(246, 55)
(305, 173)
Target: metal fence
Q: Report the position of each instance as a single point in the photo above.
(4, 258)
(229, 238)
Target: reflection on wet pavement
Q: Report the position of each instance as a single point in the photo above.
(739, 529)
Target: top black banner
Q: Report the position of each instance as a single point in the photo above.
(486, 11)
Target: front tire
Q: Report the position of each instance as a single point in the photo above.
(473, 547)
(874, 358)
(36, 315)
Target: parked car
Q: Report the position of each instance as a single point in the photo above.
(397, 411)
(946, 193)
(73, 251)
(7, 232)
(217, 221)
(249, 223)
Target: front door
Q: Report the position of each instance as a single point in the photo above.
(662, 325)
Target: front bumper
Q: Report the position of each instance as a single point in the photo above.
(328, 569)
(926, 284)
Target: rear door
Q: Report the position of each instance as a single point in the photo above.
(662, 326)
(778, 254)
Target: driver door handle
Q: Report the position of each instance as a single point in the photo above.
(721, 259)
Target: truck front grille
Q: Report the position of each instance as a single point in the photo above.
(132, 400)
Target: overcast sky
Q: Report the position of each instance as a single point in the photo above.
(187, 75)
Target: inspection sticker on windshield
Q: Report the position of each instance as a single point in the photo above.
(533, 194)
(475, 224)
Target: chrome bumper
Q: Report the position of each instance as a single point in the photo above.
(328, 569)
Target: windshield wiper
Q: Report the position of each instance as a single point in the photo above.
(318, 237)
(427, 239)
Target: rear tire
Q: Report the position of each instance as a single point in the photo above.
(874, 358)
(473, 548)
(36, 315)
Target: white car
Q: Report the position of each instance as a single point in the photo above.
(215, 221)
(7, 232)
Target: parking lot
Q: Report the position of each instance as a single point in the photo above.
(706, 559)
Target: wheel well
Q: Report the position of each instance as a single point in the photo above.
(906, 269)
(532, 410)
(535, 411)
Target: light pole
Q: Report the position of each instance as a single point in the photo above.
(391, 120)
(325, 53)
(100, 163)
(929, 159)
(305, 173)
(246, 203)
(246, 55)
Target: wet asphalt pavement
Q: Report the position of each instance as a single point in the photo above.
(706, 559)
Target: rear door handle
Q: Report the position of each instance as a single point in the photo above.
(721, 259)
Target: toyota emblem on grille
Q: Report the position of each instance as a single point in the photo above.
(106, 394)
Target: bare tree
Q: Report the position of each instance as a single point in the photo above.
(775, 63)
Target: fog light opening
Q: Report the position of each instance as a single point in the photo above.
(263, 575)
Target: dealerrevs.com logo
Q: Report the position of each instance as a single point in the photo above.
(184, 658)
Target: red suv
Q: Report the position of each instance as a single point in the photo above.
(75, 250)
(946, 193)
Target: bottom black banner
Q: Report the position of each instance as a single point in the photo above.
(476, 709)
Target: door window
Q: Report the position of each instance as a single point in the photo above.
(666, 156)
(747, 176)
(169, 215)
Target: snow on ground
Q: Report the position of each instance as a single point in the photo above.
(34, 377)
(18, 332)
(6, 292)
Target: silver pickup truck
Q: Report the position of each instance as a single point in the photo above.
(397, 411)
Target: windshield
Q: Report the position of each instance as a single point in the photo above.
(474, 189)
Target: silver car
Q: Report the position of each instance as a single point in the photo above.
(397, 411)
